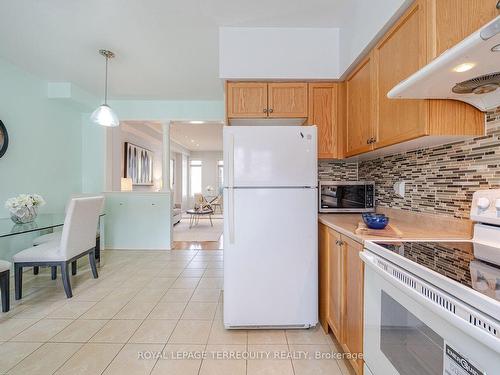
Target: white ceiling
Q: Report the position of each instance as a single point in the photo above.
(166, 49)
(197, 137)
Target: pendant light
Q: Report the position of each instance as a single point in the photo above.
(104, 115)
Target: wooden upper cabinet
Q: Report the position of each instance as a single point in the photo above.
(352, 340)
(266, 99)
(360, 102)
(287, 99)
(335, 280)
(246, 99)
(456, 19)
(326, 111)
(400, 53)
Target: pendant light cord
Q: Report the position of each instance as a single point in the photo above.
(106, 84)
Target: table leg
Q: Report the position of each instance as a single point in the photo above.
(210, 217)
(73, 268)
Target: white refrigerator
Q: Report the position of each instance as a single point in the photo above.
(270, 227)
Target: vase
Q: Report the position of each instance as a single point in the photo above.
(24, 215)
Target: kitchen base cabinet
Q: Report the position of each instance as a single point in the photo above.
(353, 286)
(341, 283)
(323, 270)
(336, 284)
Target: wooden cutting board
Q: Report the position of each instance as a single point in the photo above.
(390, 231)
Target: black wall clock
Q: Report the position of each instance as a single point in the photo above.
(4, 139)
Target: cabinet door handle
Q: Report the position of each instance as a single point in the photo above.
(368, 141)
(264, 110)
(270, 110)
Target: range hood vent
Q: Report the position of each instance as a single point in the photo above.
(478, 85)
(474, 63)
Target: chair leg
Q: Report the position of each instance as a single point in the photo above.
(98, 249)
(93, 265)
(210, 217)
(65, 279)
(53, 272)
(73, 268)
(18, 281)
(5, 287)
(36, 269)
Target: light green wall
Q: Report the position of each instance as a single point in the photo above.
(45, 148)
(140, 221)
(93, 144)
(44, 154)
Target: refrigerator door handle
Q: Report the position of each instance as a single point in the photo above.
(231, 215)
(230, 160)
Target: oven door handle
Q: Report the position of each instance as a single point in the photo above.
(462, 323)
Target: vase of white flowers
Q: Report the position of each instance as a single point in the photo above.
(24, 208)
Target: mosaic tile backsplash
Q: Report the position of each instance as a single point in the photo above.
(335, 170)
(439, 180)
(442, 179)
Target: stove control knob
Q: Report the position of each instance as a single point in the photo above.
(483, 203)
(497, 204)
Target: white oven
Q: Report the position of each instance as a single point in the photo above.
(414, 328)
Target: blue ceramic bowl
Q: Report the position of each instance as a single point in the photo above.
(375, 221)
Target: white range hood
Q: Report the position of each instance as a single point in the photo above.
(469, 71)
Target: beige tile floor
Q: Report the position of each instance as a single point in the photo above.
(146, 311)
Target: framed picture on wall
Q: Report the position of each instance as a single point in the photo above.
(4, 139)
(138, 164)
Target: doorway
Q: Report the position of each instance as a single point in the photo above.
(196, 181)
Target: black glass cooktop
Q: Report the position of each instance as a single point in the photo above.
(454, 260)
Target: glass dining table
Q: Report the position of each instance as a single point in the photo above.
(43, 222)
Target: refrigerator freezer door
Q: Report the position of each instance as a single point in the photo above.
(270, 258)
(270, 156)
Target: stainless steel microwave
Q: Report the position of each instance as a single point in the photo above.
(346, 196)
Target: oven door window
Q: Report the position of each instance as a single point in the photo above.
(409, 344)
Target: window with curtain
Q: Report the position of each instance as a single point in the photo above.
(195, 176)
(220, 173)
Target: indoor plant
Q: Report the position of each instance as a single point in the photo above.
(24, 208)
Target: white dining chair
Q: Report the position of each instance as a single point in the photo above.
(5, 284)
(77, 240)
(57, 236)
